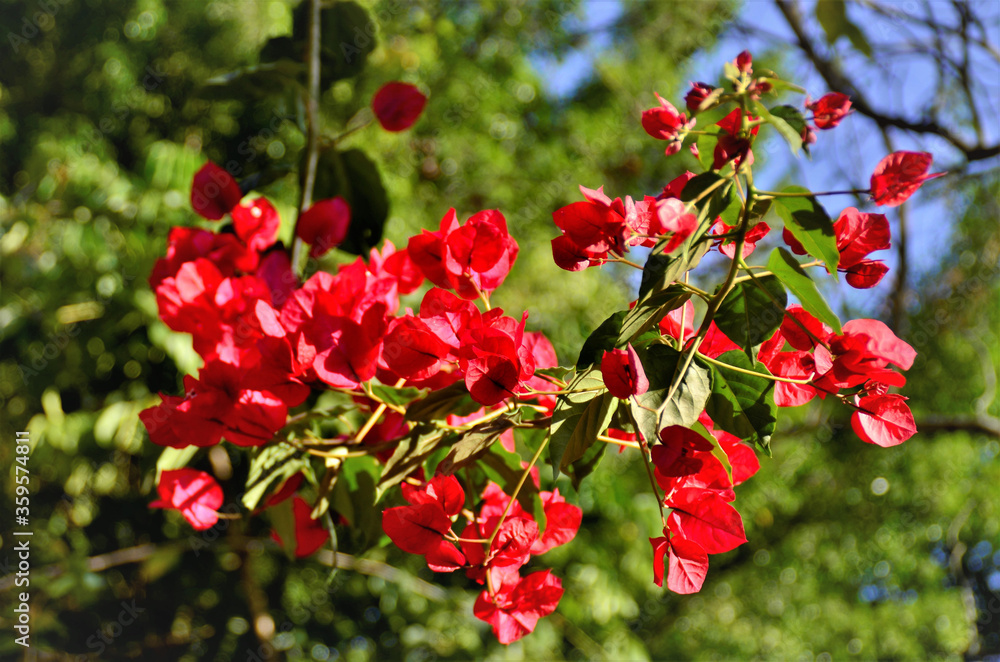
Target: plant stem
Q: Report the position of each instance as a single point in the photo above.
(810, 194)
(773, 378)
(618, 442)
(312, 130)
(517, 490)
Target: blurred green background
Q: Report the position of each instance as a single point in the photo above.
(108, 107)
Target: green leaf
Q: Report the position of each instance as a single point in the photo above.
(282, 518)
(174, 458)
(731, 216)
(646, 314)
(718, 200)
(651, 411)
(706, 150)
(832, 17)
(272, 465)
(353, 176)
(748, 316)
(742, 404)
(792, 115)
(473, 443)
(662, 270)
(791, 136)
(585, 465)
(452, 399)
(411, 452)
(346, 36)
(780, 84)
(354, 498)
(604, 338)
(395, 395)
(578, 419)
(788, 270)
(808, 222)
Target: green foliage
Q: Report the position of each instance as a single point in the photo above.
(104, 118)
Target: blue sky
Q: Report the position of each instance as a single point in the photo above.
(845, 157)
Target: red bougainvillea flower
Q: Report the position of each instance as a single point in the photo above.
(514, 609)
(216, 404)
(883, 420)
(194, 493)
(705, 518)
(753, 235)
(472, 259)
(697, 95)
(623, 373)
(597, 225)
(562, 521)
(829, 109)
(731, 147)
(398, 105)
(743, 62)
(898, 176)
(309, 533)
(664, 123)
(214, 192)
(676, 185)
(256, 223)
(493, 360)
(857, 235)
(741, 457)
(324, 225)
(688, 564)
(672, 218)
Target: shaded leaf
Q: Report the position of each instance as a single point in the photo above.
(410, 454)
(473, 443)
(271, 465)
(651, 411)
(748, 315)
(809, 223)
(578, 419)
(742, 404)
(787, 269)
(832, 17)
(354, 176)
(604, 338)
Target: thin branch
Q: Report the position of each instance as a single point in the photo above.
(838, 81)
(312, 128)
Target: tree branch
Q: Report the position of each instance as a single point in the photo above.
(838, 81)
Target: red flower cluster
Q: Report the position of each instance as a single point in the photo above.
(699, 492)
(733, 145)
(828, 363)
(599, 227)
(829, 109)
(665, 123)
(511, 603)
(857, 235)
(472, 259)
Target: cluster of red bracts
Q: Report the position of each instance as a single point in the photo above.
(598, 228)
(267, 342)
(699, 492)
(492, 547)
(857, 235)
(827, 363)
